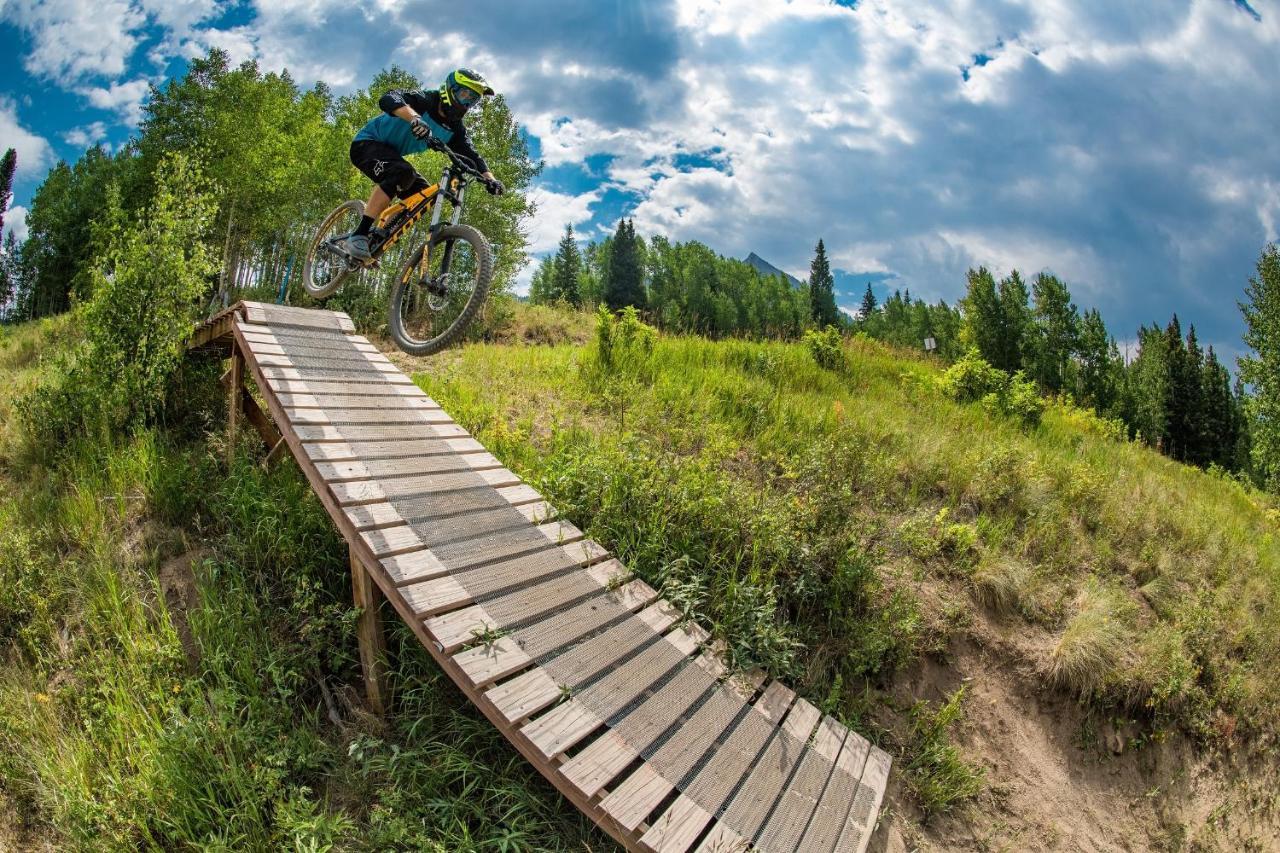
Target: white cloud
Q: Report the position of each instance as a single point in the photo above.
(83, 137)
(15, 221)
(73, 39)
(554, 212)
(123, 98)
(34, 153)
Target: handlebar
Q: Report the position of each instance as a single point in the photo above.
(462, 161)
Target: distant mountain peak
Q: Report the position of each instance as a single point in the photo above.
(765, 268)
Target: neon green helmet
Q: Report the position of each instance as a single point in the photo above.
(462, 90)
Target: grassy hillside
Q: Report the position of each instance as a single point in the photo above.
(1065, 640)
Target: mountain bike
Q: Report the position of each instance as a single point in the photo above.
(442, 283)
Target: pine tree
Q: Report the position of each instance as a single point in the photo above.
(822, 294)
(624, 280)
(8, 166)
(1220, 423)
(567, 267)
(868, 305)
(1261, 369)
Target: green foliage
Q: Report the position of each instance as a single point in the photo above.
(691, 288)
(972, 379)
(826, 347)
(1055, 328)
(934, 769)
(1261, 368)
(145, 288)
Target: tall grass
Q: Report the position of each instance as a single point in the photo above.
(799, 507)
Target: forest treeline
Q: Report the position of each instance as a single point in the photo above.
(272, 159)
(1168, 391)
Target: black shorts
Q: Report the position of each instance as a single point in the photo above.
(384, 165)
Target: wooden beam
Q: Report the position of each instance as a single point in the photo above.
(235, 400)
(369, 633)
(258, 419)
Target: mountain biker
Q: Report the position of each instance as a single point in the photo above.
(413, 121)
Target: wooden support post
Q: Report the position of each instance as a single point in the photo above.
(373, 644)
(234, 401)
(258, 419)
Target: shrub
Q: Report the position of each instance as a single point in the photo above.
(972, 379)
(825, 347)
(145, 290)
(623, 344)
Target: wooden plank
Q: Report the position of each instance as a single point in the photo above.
(801, 721)
(314, 374)
(346, 387)
(639, 794)
(828, 821)
(678, 827)
(386, 469)
(322, 400)
(373, 516)
(390, 541)
(391, 414)
(760, 789)
(413, 567)
(525, 694)
(561, 728)
(598, 764)
(866, 805)
(377, 433)
(488, 662)
(775, 701)
(380, 451)
(722, 839)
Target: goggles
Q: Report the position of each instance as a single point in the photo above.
(466, 96)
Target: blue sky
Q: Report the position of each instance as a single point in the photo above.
(1129, 148)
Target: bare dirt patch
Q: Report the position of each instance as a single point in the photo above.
(1060, 778)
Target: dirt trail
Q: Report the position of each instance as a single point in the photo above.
(1058, 779)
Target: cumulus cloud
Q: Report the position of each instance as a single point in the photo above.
(15, 222)
(83, 137)
(554, 212)
(72, 39)
(1128, 148)
(125, 99)
(34, 153)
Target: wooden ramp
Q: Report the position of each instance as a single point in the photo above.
(586, 670)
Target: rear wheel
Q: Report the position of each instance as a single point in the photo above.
(325, 269)
(439, 290)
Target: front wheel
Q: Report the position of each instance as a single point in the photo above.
(325, 269)
(439, 290)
